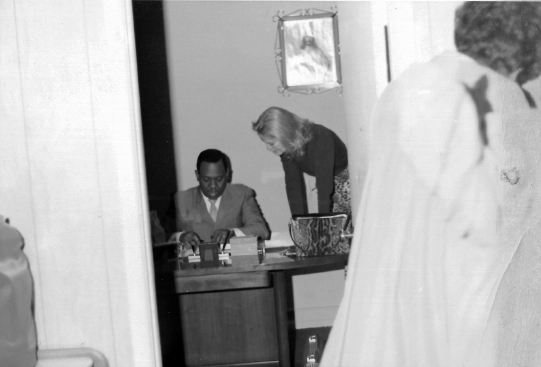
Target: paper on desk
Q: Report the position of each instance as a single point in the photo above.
(279, 239)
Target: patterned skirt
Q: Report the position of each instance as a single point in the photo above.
(341, 199)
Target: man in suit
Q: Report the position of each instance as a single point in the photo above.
(215, 209)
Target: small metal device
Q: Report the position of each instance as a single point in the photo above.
(208, 251)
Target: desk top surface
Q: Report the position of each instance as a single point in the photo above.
(271, 261)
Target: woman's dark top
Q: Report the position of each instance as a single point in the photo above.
(325, 156)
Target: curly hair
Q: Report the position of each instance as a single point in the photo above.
(211, 156)
(292, 131)
(505, 36)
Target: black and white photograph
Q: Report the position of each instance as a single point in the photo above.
(270, 183)
(310, 56)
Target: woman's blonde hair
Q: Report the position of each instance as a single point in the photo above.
(289, 129)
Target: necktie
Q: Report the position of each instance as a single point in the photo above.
(213, 210)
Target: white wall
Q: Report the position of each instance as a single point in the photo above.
(223, 75)
(365, 76)
(418, 31)
(72, 179)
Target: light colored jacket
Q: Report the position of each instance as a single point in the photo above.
(238, 209)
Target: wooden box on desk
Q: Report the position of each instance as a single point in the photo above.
(243, 246)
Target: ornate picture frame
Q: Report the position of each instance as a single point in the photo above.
(308, 51)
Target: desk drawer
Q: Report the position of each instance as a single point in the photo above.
(229, 328)
(222, 282)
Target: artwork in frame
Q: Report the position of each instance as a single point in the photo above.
(309, 53)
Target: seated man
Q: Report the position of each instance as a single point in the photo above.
(214, 209)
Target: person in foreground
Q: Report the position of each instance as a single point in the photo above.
(215, 208)
(453, 187)
(305, 147)
(18, 340)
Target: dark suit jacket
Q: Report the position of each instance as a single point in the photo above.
(238, 209)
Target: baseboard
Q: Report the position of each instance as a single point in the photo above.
(315, 317)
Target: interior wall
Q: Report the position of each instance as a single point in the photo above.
(223, 75)
(72, 174)
(365, 76)
(418, 31)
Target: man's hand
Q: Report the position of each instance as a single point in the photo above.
(190, 239)
(221, 236)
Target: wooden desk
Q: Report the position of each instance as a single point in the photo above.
(237, 315)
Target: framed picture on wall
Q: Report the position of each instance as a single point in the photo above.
(309, 52)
